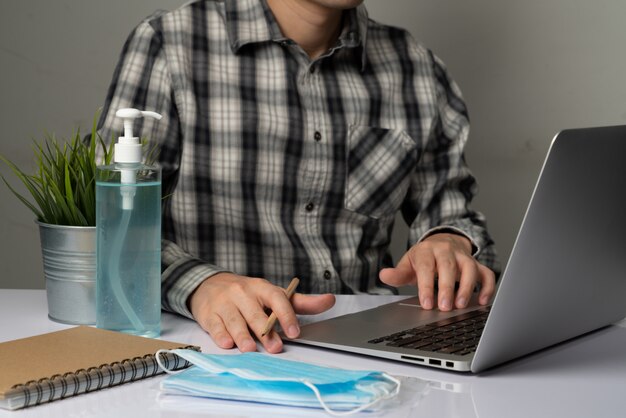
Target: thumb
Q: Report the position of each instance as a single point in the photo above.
(400, 275)
(312, 304)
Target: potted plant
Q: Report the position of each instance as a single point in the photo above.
(63, 199)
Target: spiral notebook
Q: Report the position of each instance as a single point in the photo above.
(66, 363)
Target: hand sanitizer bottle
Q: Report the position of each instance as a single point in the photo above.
(128, 243)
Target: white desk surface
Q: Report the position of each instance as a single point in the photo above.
(583, 378)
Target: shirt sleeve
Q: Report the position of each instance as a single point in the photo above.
(142, 80)
(442, 186)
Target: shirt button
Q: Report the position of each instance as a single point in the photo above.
(317, 136)
(327, 275)
(309, 207)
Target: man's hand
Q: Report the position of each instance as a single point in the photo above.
(231, 307)
(446, 258)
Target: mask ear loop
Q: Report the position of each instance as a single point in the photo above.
(358, 409)
(161, 365)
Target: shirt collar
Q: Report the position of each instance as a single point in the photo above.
(249, 22)
(252, 21)
(354, 33)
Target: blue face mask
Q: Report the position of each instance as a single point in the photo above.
(265, 378)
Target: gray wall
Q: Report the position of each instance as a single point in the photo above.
(527, 69)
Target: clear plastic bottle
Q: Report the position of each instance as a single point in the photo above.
(128, 243)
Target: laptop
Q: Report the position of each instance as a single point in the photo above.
(566, 275)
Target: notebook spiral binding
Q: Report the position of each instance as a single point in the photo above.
(59, 386)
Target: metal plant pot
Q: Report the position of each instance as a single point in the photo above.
(69, 264)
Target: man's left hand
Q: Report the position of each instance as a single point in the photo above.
(446, 258)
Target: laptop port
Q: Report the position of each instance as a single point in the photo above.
(421, 360)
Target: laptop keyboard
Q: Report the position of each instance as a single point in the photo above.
(455, 335)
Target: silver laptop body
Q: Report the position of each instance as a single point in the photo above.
(566, 275)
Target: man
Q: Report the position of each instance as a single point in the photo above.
(293, 132)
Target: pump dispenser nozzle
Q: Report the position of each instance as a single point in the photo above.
(128, 150)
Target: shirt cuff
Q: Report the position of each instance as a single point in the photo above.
(180, 280)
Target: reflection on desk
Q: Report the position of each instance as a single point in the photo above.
(585, 377)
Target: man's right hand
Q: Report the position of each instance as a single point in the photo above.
(232, 307)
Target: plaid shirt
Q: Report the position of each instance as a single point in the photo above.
(277, 165)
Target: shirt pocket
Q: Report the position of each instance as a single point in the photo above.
(379, 163)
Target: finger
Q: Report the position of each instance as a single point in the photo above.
(468, 277)
(302, 304)
(250, 303)
(312, 304)
(425, 268)
(238, 328)
(487, 280)
(214, 325)
(400, 275)
(257, 320)
(447, 273)
(276, 299)
(271, 341)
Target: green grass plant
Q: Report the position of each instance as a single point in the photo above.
(63, 188)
